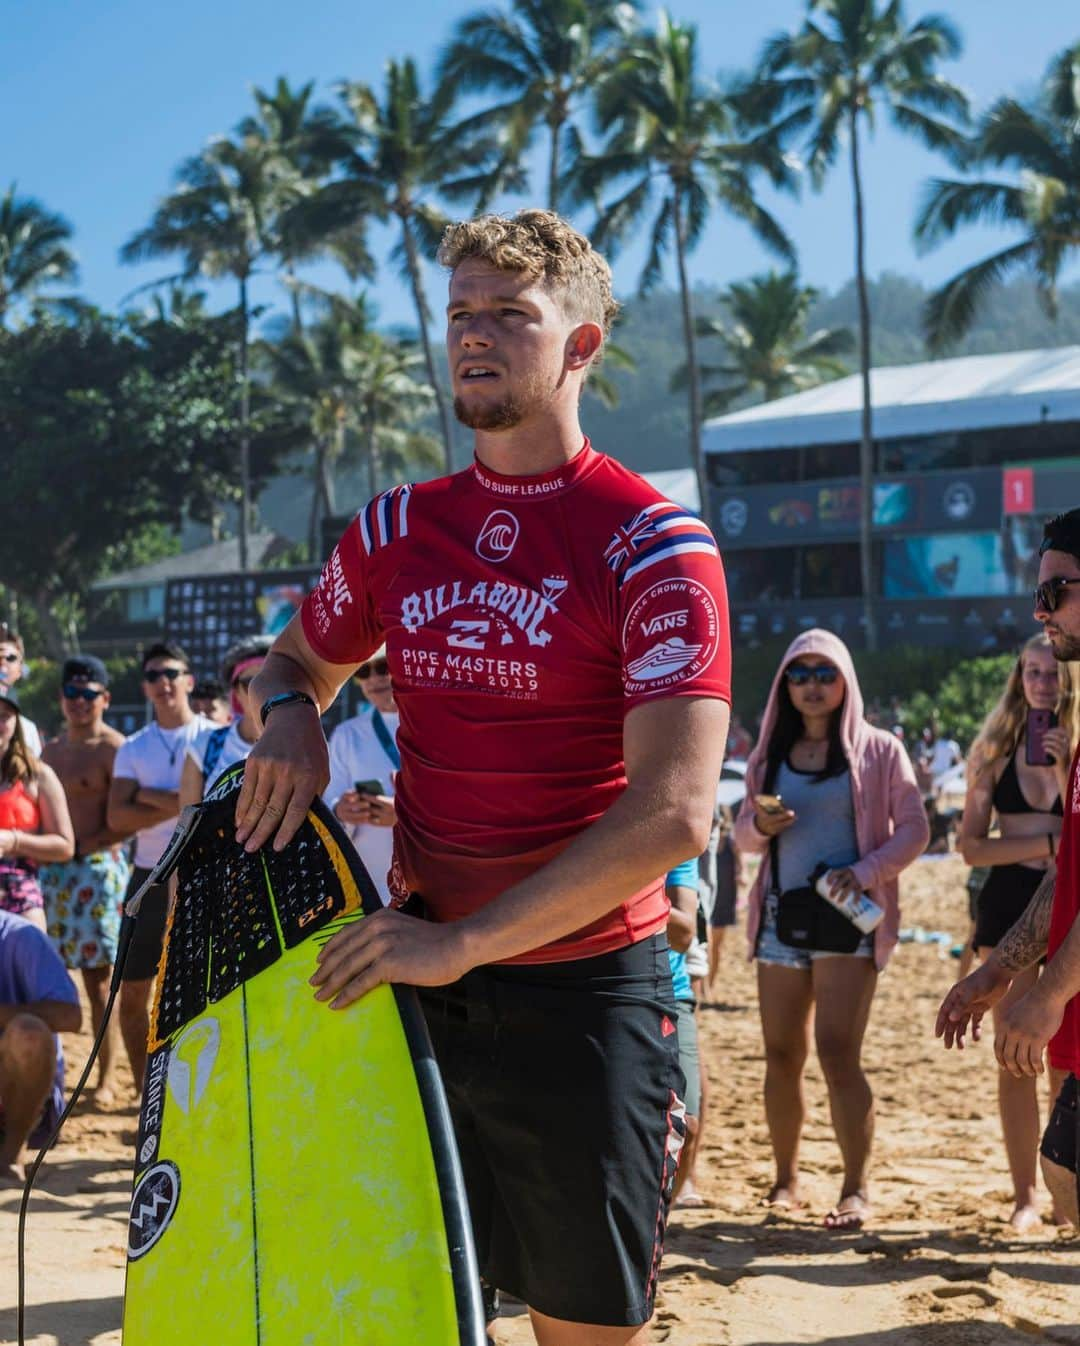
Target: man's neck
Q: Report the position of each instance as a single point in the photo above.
(173, 717)
(532, 449)
(84, 733)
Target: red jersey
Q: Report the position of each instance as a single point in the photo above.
(1064, 1049)
(523, 618)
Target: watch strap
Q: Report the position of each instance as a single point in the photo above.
(284, 699)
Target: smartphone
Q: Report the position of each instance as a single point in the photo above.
(1038, 722)
(369, 787)
(770, 803)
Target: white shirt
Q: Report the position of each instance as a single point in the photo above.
(234, 749)
(944, 754)
(31, 736)
(357, 755)
(154, 757)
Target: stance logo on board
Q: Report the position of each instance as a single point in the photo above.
(152, 1205)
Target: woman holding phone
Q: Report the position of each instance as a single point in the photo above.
(823, 788)
(1018, 774)
(364, 763)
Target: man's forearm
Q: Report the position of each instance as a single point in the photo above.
(1026, 941)
(1060, 980)
(601, 868)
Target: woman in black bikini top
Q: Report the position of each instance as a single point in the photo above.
(1026, 801)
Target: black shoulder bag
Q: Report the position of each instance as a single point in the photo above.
(804, 920)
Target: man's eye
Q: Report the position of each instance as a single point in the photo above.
(458, 316)
(512, 312)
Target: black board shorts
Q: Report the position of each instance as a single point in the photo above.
(565, 1091)
(149, 934)
(1061, 1139)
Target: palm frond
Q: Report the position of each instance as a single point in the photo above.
(949, 311)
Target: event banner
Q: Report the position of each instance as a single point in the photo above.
(792, 513)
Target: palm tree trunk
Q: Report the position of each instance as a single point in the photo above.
(425, 341)
(553, 167)
(315, 512)
(245, 444)
(866, 436)
(697, 457)
(372, 453)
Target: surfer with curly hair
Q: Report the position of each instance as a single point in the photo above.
(557, 638)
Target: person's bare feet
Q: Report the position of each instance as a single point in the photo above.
(689, 1198)
(104, 1097)
(1025, 1218)
(782, 1196)
(850, 1213)
(12, 1175)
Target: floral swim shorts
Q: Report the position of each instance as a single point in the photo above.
(83, 901)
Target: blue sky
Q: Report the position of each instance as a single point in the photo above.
(103, 98)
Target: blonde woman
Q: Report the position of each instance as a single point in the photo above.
(1026, 801)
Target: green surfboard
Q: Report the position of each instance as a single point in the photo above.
(296, 1179)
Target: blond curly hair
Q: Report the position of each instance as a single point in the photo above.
(1000, 732)
(544, 246)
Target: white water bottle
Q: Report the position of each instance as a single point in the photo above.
(859, 908)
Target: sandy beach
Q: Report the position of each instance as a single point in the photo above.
(939, 1265)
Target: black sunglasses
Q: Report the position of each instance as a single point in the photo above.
(11, 657)
(152, 674)
(72, 692)
(380, 667)
(1046, 593)
(244, 681)
(800, 674)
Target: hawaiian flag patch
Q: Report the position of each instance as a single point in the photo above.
(653, 534)
(384, 519)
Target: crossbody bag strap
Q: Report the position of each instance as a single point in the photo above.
(386, 739)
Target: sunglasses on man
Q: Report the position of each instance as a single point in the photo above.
(378, 667)
(73, 692)
(10, 657)
(153, 674)
(800, 674)
(1046, 593)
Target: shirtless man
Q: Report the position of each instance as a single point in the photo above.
(83, 897)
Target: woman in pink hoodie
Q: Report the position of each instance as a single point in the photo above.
(849, 801)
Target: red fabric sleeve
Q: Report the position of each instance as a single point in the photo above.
(674, 632)
(338, 615)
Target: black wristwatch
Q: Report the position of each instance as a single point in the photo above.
(284, 699)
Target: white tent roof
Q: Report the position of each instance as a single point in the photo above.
(937, 396)
(678, 484)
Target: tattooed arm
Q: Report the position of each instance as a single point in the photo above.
(1024, 944)
(1026, 940)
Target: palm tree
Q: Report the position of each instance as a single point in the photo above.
(548, 57)
(849, 56)
(220, 220)
(33, 249)
(1041, 142)
(305, 138)
(677, 138)
(395, 153)
(342, 377)
(766, 348)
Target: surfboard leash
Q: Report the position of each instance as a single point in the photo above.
(185, 829)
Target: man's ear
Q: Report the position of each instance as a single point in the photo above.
(583, 345)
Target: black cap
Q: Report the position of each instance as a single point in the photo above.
(9, 695)
(86, 666)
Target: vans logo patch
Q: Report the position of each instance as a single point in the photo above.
(665, 621)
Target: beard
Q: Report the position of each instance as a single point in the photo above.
(509, 410)
(1065, 647)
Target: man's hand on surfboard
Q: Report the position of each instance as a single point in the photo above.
(285, 770)
(388, 946)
